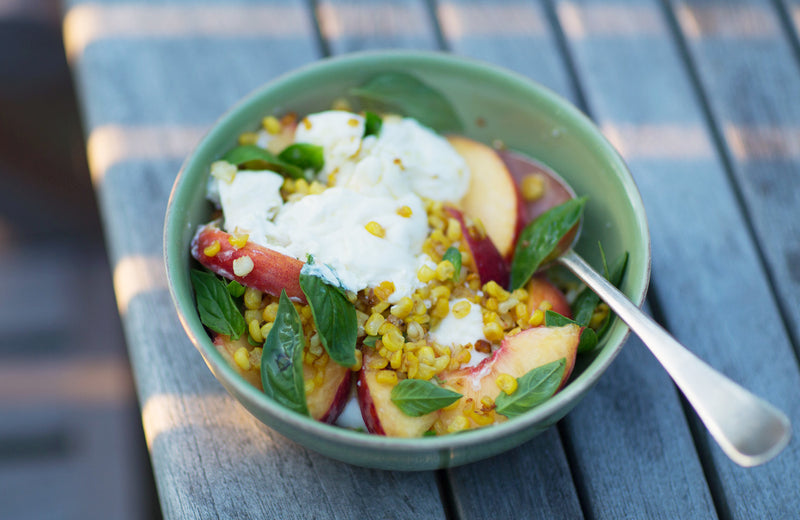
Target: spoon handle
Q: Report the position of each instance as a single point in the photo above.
(749, 430)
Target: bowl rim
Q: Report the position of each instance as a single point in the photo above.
(226, 375)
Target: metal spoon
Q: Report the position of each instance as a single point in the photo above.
(748, 429)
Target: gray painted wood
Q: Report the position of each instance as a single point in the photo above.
(705, 263)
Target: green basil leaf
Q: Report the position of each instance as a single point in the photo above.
(334, 317)
(533, 388)
(540, 238)
(554, 319)
(370, 341)
(584, 305)
(236, 289)
(304, 155)
(453, 255)
(372, 124)
(282, 359)
(615, 276)
(252, 157)
(215, 306)
(588, 339)
(404, 94)
(416, 397)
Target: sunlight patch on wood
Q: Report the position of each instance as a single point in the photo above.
(111, 144)
(763, 142)
(88, 23)
(666, 141)
(507, 19)
(382, 19)
(609, 20)
(135, 275)
(728, 20)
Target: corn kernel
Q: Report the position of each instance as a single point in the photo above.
(426, 355)
(425, 274)
(254, 327)
(212, 249)
(521, 311)
(545, 306)
(480, 418)
(461, 309)
(379, 307)
(238, 240)
(271, 125)
(505, 306)
(301, 186)
(532, 187)
(396, 360)
(270, 312)
(487, 403)
(373, 324)
(252, 298)
(537, 318)
(393, 340)
(319, 377)
(223, 170)
(384, 290)
(402, 308)
(251, 315)
(441, 363)
(359, 361)
(386, 377)
(377, 363)
(463, 357)
(404, 211)
(415, 331)
(265, 329)
(375, 229)
(242, 358)
(494, 289)
(493, 331)
(599, 315)
(441, 292)
(255, 357)
(388, 327)
(507, 383)
(425, 372)
(453, 229)
(308, 386)
(491, 303)
(441, 309)
(458, 424)
(248, 138)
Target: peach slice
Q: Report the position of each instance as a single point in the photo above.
(270, 272)
(380, 414)
(493, 196)
(489, 263)
(517, 355)
(540, 290)
(325, 401)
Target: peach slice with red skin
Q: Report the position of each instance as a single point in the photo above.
(517, 355)
(493, 197)
(325, 401)
(489, 263)
(541, 290)
(381, 416)
(272, 271)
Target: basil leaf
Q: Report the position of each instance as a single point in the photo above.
(416, 397)
(236, 289)
(250, 156)
(615, 277)
(453, 255)
(334, 317)
(405, 94)
(533, 388)
(370, 341)
(215, 306)
(588, 339)
(540, 238)
(554, 319)
(303, 155)
(282, 359)
(372, 124)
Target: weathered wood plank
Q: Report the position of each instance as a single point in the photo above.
(705, 263)
(609, 468)
(152, 77)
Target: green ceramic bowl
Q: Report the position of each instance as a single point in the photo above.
(493, 104)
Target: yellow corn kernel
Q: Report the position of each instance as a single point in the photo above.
(441, 292)
(441, 309)
(272, 125)
(384, 290)
(224, 171)
(545, 306)
(270, 311)
(494, 289)
(375, 229)
(359, 361)
(532, 187)
(377, 363)
(321, 361)
(461, 309)
(238, 240)
(374, 323)
(436, 222)
(599, 315)
(308, 386)
(255, 357)
(425, 274)
(248, 138)
(402, 308)
(386, 377)
(301, 186)
(441, 350)
(388, 327)
(426, 355)
(315, 345)
(254, 327)
(397, 359)
(493, 331)
(458, 424)
(379, 307)
(251, 315)
(507, 383)
(521, 310)
(415, 331)
(425, 372)
(487, 403)
(212, 249)
(537, 318)
(319, 377)
(491, 303)
(453, 229)
(505, 306)
(242, 358)
(441, 363)
(252, 298)
(383, 351)
(404, 211)
(463, 357)
(266, 328)
(410, 364)
(393, 340)
(520, 294)
(489, 317)
(243, 265)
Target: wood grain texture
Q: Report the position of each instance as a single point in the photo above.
(705, 263)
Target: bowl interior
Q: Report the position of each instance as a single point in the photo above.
(493, 104)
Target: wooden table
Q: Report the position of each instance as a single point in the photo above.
(700, 97)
